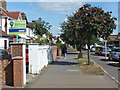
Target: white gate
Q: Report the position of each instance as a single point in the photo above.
(39, 57)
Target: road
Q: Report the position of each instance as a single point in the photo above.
(111, 67)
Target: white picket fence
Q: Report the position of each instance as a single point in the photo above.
(39, 56)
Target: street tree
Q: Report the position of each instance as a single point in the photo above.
(88, 21)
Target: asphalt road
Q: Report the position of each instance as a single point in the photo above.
(111, 67)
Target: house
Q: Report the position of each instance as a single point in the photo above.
(7, 16)
(4, 40)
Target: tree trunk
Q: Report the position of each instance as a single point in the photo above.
(88, 51)
(80, 48)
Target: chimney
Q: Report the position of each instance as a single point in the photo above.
(3, 4)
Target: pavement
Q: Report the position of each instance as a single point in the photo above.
(65, 73)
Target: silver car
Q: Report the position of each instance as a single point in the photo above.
(115, 54)
(103, 52)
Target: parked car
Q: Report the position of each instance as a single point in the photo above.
(111, 47)
(98, 48)
(103, 51)
(93, 48)
(85, 47)
(115, 54)
(4, 55)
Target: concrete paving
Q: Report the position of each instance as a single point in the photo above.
(65, 73)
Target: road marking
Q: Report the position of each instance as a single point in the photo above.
(107, 73)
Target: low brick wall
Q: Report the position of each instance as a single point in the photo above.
(0, 74)
(7, 72)
(54, 53)
(18, 72)
(59, 52)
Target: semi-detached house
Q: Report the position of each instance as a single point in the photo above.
(5, 18)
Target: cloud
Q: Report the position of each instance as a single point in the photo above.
(61, 7)
(55, 30)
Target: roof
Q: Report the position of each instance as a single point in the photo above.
(3, 14)
(3, 34)
(24, 36)
(13, 15)
(13, 36)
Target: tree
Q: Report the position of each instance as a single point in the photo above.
(86, 22)
(40, 27)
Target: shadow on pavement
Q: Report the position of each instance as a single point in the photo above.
(94, 54)
(114, 64)
(64, 63)
(106, 60)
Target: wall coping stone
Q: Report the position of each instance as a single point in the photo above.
(17, 43)
(33, 43)
(17, 58)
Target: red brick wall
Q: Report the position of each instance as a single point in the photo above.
(18, 73)
(16, 50)
(54, 53)
(0, 72)
(7, 72)
(59, 52)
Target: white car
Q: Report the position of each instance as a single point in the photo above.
(86, 47)
(93, 48)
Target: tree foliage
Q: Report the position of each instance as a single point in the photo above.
(88, 22)
(40, 27)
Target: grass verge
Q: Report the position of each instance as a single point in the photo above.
(92, 69)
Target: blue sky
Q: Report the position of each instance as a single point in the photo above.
(56, 12)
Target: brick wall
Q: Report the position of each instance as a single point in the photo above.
(18, 72)
(7, 72)
(0, 73)
(59, 52)
(54, 53)
(3, 4)
(19, 78)
(16, 50)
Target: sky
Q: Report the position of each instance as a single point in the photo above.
(56, 12)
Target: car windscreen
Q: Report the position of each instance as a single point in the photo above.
(106, 48)
(93, 46)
